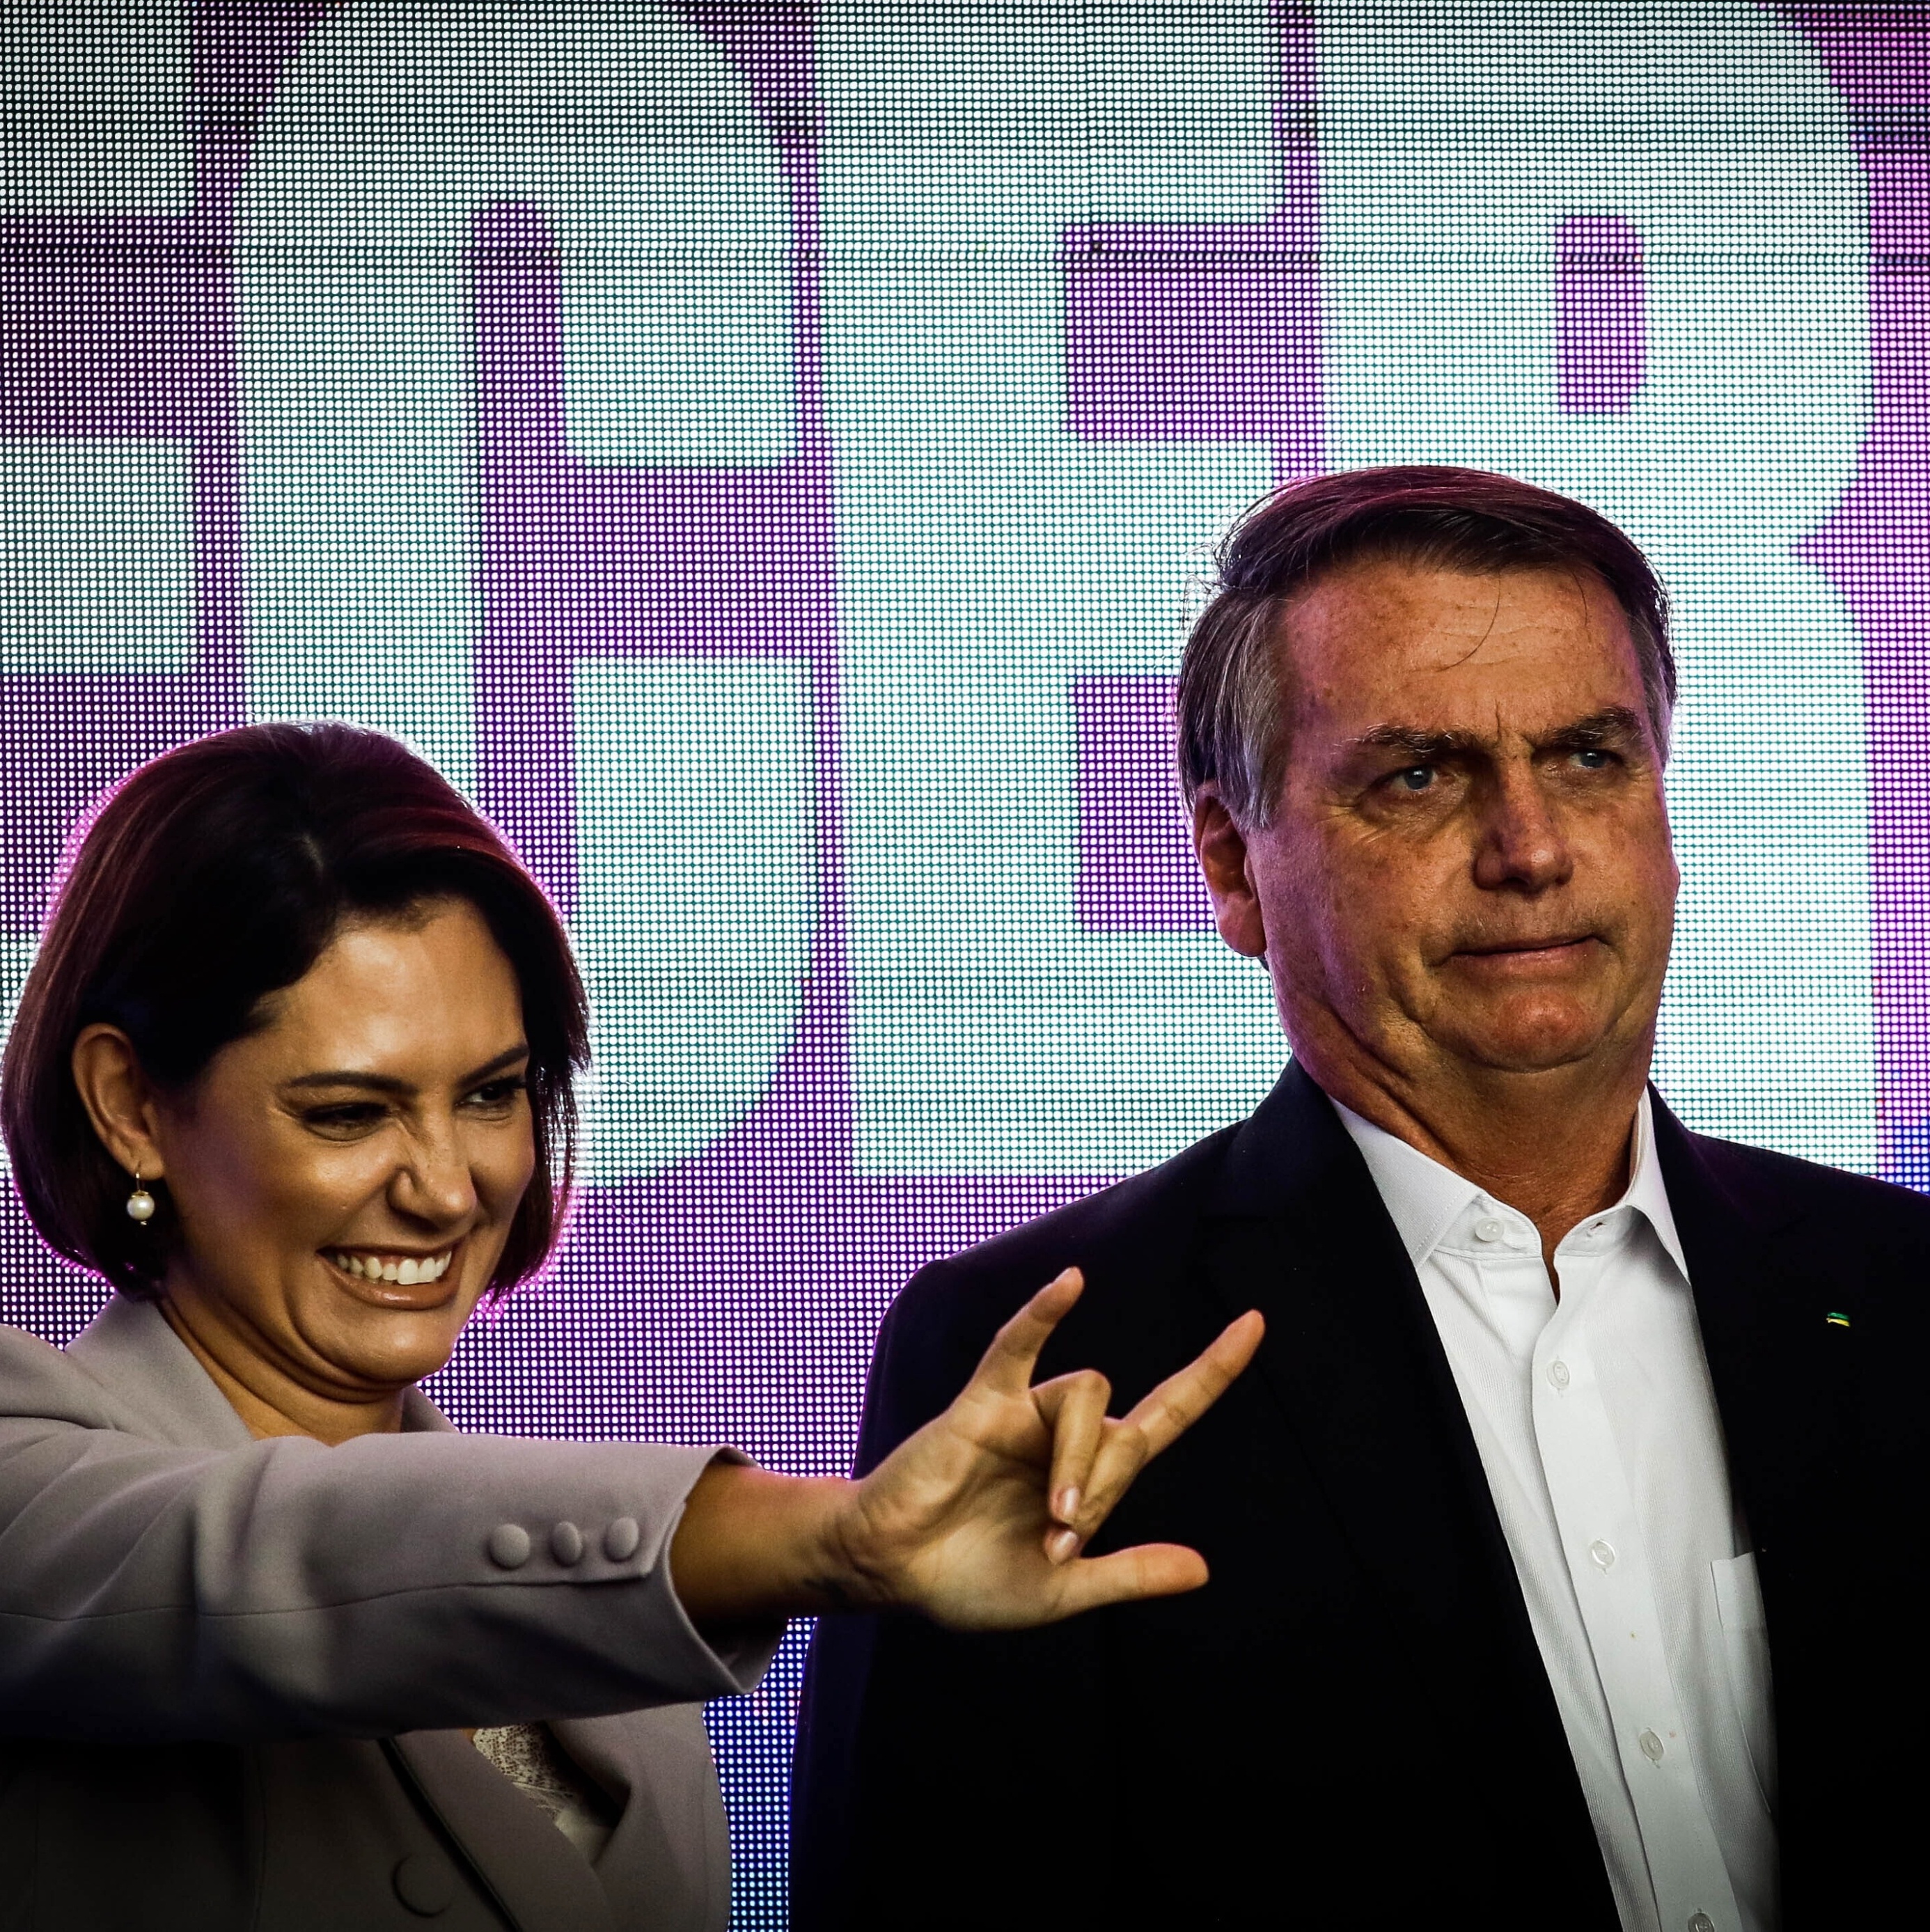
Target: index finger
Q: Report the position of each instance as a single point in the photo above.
(1007, 1366)
(1181, 1399)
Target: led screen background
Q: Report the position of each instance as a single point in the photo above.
(767, 454)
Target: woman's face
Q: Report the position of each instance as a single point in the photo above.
(345, 1178)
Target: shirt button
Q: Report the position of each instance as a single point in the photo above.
(566, 1543)
(1488, 1228)
(1652, 1747)
(1604, 1558)
(1558, 1374)
(1700, 1922)
(621, 1539)
(509, 1546)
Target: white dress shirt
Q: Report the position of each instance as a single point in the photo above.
(1598, 1427)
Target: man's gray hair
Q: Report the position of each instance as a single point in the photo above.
(1233, 695)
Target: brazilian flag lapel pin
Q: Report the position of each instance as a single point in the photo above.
(1836, 1318)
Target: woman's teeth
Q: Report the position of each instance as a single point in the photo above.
(405, 1269)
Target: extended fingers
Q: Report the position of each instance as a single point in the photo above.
(1127, 1445)
(1006, 1367)
(1181, 1399)
(1073, 1407)
(1122, 1454)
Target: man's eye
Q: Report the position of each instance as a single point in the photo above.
(346, 1117)
(1594, 761)
(1415, 778)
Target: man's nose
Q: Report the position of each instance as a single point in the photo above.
(1522, 844)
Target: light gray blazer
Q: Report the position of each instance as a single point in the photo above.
(232, 1673)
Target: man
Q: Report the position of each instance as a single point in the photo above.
(1567, 1419)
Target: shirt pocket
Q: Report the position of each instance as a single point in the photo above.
(1746, 1647)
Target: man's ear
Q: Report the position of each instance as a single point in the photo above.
(1222, 848)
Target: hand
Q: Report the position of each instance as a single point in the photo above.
(956, 1522)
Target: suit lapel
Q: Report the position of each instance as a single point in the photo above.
(1779, 1373)
(1297, 1227)
(671, 1835)
(154, 1379)
(1351, 1354)
(537, 1878)
(539, 1881)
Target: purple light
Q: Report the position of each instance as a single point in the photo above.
(1601, 333)
(1204, 331)
(736, 1294)
(1181, 330)
(1136, 872)
(581, 559)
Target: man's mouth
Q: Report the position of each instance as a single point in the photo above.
(1547, 945)
(1539, 947)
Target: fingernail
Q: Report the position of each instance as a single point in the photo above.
(1066, 1508)
(1062, 1546)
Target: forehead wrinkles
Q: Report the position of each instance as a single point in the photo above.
(1357, 637)
(1493, 619)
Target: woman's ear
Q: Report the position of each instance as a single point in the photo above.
(1222, 848)
(119, 1098)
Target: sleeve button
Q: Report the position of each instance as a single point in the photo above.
(566, 1543)
(509, 1546)
(621, 1539)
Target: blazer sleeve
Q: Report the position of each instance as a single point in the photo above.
(415, 1582)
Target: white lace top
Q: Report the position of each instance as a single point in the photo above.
(530, 1757)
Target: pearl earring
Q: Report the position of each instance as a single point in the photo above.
(140, 1203)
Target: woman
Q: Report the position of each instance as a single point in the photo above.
(278, 1648)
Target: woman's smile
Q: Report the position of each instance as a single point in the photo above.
(345, 1174)
(395, 1277)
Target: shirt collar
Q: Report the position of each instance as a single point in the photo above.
(1425, 1199)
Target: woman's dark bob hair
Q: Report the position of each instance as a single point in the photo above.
(215, 877)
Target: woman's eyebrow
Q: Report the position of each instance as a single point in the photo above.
(501, 1063)
(380, 1083)
(388, 1083)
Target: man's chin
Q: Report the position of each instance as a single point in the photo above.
(1533, 1037)
(1525, 1057)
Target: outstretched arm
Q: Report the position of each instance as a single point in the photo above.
(977, 1520)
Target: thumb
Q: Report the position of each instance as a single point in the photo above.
(1127, 1576)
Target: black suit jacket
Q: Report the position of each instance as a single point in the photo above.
(1351, 1724)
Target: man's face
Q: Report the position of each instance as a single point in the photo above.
(1469, 864)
